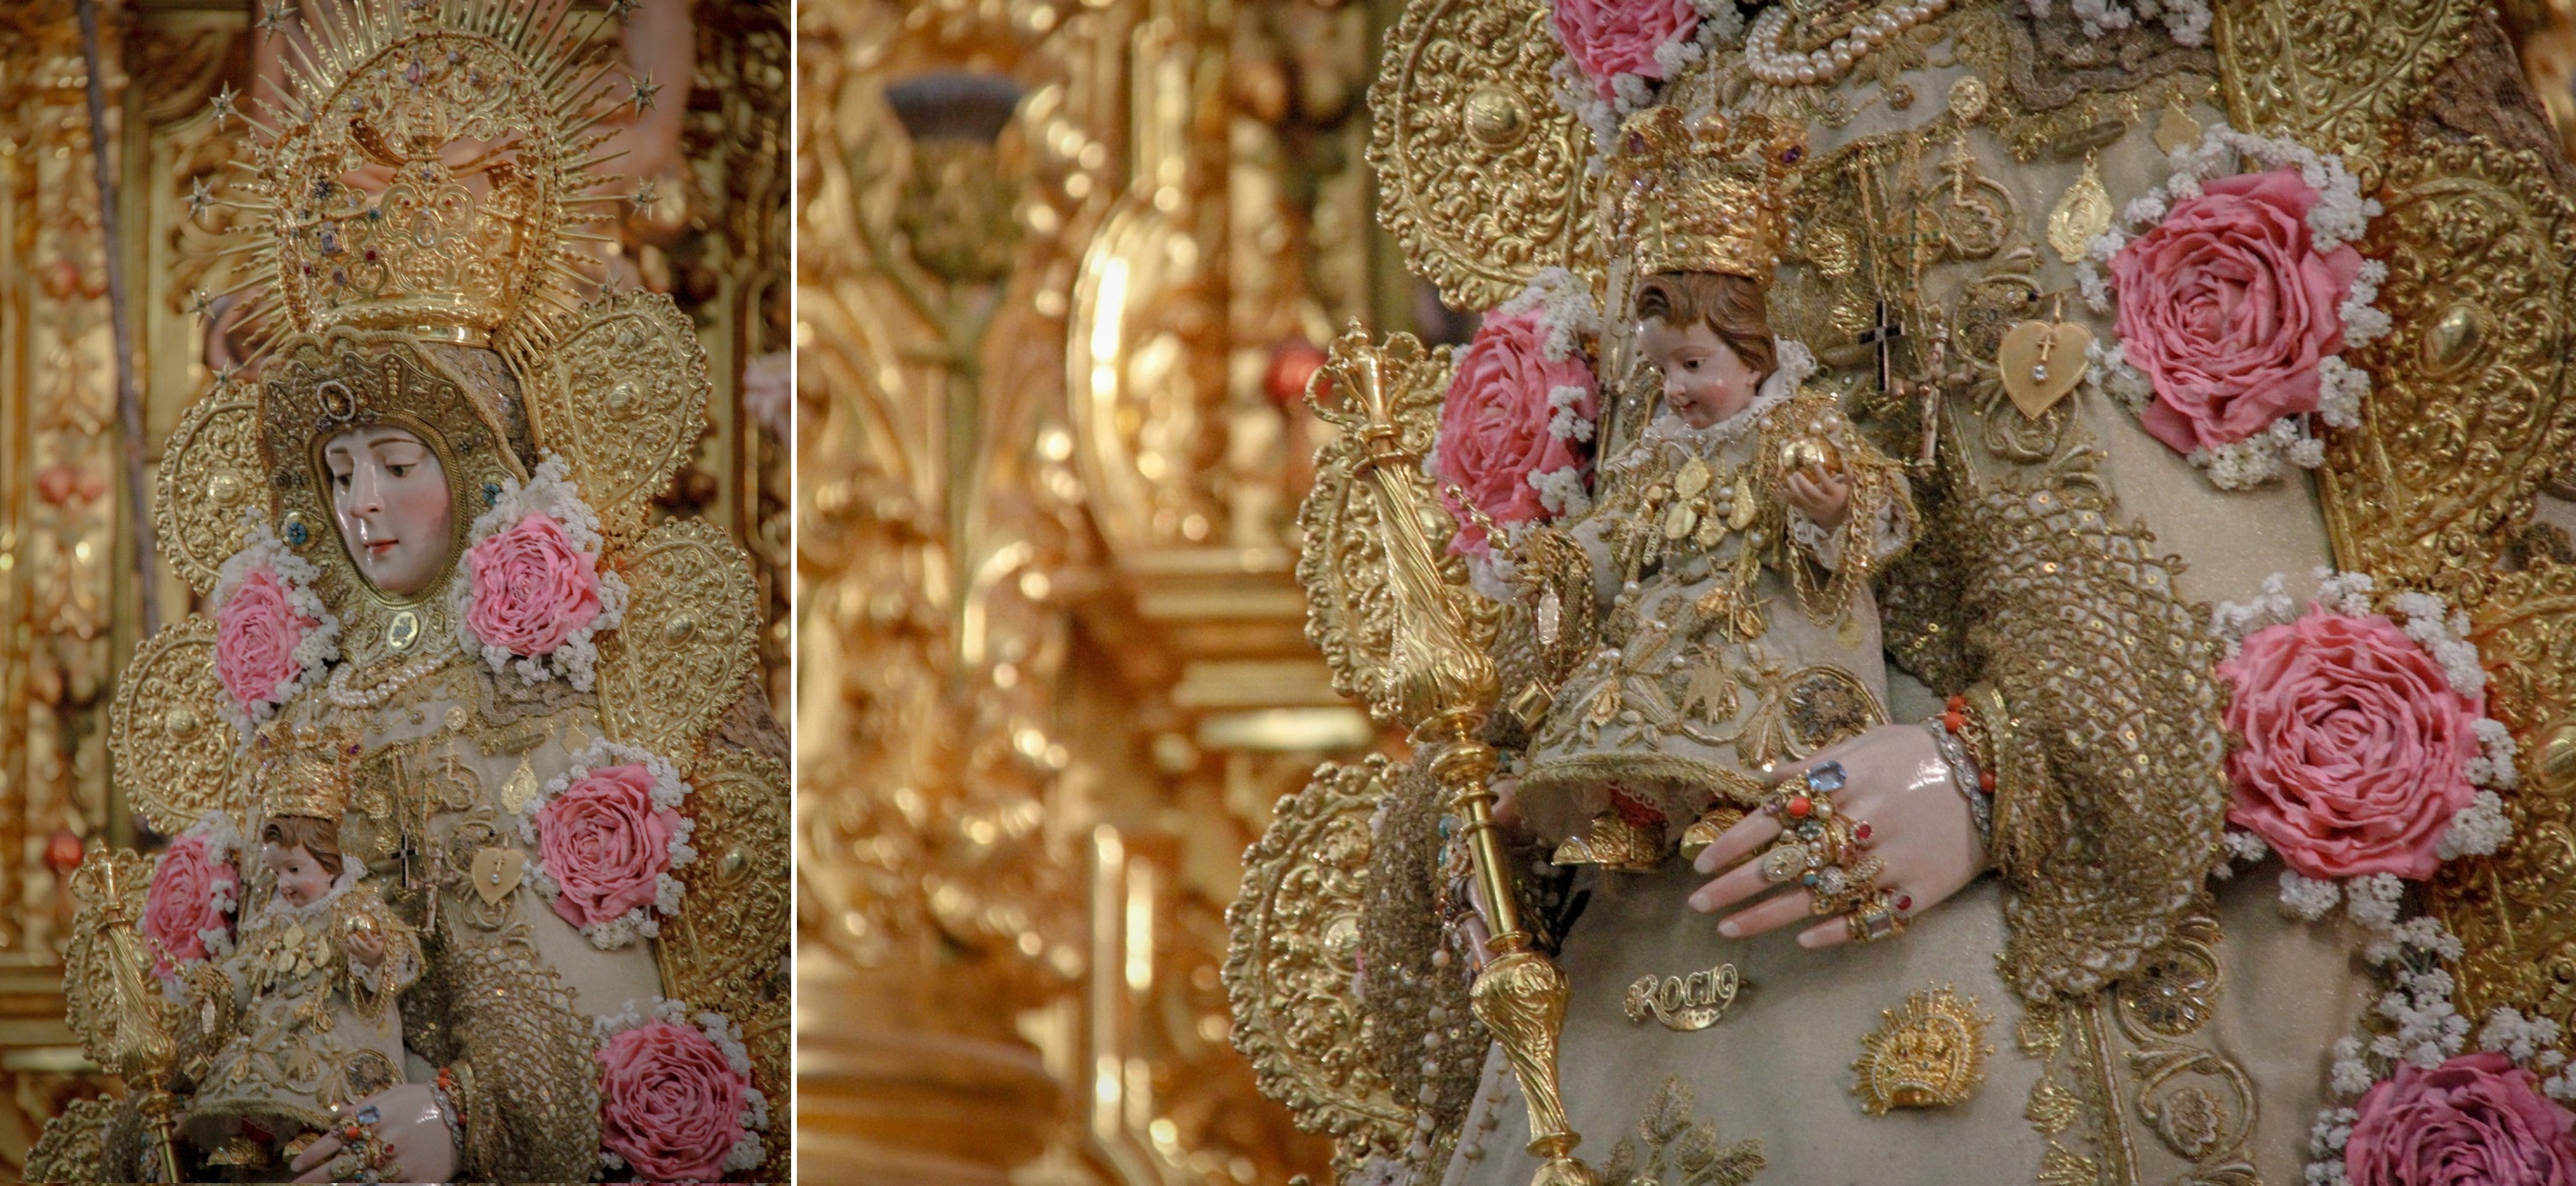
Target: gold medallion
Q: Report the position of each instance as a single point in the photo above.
(1684, 1004)
(1693, 479)
(2177, 129)
(1742, 516)
(1929, 1053)
(520, 789)
(1679, 521)
(2081, 215)
(402, 630)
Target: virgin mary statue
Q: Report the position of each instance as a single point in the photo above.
(466, 727)
(2206, 820)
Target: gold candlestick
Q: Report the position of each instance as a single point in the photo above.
(1393, 615)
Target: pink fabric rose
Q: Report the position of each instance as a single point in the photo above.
(2356, 748)
(256, 633)
(1612, 37)
(669, 1103)
(1494, 423)
(532, 588)
(2476, 1120)
(605, 844)
(2227, 308)
(180, 904)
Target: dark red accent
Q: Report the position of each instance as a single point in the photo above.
(1904, 902)
(1986, 781)
(1800, 806)
(1861, 832)
(1636, 814)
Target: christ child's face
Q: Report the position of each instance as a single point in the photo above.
(1705, 381)
(390, 495)
(301, 880)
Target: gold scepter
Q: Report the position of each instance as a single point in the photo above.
(1391, 611)
(114, 1007)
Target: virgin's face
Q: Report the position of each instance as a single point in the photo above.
(390, 496)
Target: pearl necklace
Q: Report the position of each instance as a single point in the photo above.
(1779, 67)
(376, 694)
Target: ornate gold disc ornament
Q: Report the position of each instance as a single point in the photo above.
(1480, 173)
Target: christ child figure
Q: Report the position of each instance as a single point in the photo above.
(1731, 544)
(314, 1020)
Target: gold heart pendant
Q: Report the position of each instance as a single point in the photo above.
(2041, 362)
(497, 871)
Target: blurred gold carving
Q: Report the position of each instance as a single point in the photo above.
(2336, 73)
(2469, 407)
(1480, 173)
(1288, 968)
(1391, 611)
(173, 748)
(210, 473)
(694, 612)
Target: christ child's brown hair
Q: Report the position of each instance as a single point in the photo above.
(1732, 307)
(318, 837)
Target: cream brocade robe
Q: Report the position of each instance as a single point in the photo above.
(2147, 1074)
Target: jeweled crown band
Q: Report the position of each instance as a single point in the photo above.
(1708, 196)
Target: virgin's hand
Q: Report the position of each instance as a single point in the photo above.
(1894, 781)
(419, 1145)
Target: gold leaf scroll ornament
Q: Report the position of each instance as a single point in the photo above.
(1391, 610)
(1293, 946)
(1480, 174)
(689, 641)
(166, 735)
(210, 473)
(622, 396)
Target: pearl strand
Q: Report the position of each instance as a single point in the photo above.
(1771, 64)
(377, 694)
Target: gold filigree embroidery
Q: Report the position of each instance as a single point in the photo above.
(172, 750)
(689, 643)
(622, 396)
(2334, 73)
(210, 473)
(1480, 174)
(2468, 404)
(1288, 967)
(1672, 1146)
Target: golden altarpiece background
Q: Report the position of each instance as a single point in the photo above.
(1063, 267)
(70, 611)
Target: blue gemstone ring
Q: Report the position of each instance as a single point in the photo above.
(1825, 778)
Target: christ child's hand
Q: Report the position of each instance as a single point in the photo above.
(1824, 496)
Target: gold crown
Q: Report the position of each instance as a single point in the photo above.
(425, 167)
(303, 771)
(1709, 197)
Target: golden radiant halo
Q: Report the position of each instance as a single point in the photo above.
(470, 127)
(1928, 1053)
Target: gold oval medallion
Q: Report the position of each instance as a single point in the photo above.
(402, 631)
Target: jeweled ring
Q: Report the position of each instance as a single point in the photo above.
(1825, 778)
(343, 1165)
(1837, 888)
(1876, 918)
(1784, 862)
